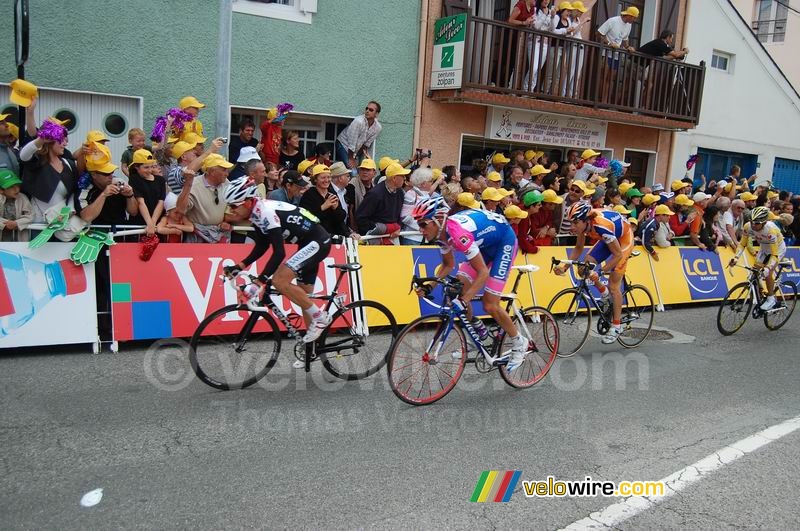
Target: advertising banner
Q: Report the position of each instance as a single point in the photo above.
(44, 298)
(545, 128)
(169, 295)
(792, 273)
(449, 34)
(388, 270)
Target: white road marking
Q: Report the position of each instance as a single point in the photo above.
(92, 498)
(630, 507)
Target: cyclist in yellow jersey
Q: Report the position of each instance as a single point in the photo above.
(768, 236)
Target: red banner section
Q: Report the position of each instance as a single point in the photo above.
(169, 295)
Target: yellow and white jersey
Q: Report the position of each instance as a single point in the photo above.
(769, 238)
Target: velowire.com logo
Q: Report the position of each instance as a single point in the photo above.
(495, 486)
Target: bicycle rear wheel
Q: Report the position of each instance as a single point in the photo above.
(785, 301)
(574, 317)
(358, 341)
(734, 309)
(638, 312)
(233, 347)
(543, 339)
(427, 360)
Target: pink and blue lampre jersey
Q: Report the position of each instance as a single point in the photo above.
(473, 231)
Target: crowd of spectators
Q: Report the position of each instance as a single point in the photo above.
(174, 188)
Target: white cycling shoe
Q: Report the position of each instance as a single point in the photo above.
(316, 326)
(613, 333)
(519, 348)
(769, 303)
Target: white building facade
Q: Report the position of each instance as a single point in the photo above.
(750, 114)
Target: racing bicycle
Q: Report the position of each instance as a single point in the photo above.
(745, 298)
(430, 353)
(574, 306)
(238, 344)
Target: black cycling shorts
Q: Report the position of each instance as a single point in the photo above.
(310, 254)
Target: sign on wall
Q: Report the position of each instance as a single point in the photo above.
(44, 298)
(448, 52)
(545, 128)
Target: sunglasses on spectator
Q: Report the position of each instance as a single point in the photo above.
(216, 196)
(576, 190)
(371, 109)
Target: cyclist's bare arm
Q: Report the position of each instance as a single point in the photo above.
(580, 242)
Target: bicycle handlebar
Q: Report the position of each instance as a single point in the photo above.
(450, 283)
(555, 261)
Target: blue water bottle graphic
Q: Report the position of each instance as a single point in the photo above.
(28, 285)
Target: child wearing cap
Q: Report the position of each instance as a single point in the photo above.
(16, 212)
(149, 189)
(173, 225)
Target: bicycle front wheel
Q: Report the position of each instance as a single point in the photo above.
(785, 301)
(542, 335)
(572, 312)
(427, 360)
(358, 341)
(233, 347)
(638, 312)
(734, 309)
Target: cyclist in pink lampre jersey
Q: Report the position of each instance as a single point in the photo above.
(490, 246)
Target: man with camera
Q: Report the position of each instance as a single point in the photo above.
(661, 47)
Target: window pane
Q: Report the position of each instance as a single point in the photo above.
(764, 8)
(714, 61)
(723, 63)
(115, 124)
(66, 114)
(330, 131)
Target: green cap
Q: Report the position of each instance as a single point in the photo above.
(534, 196)
(633, 192)
(8, 179)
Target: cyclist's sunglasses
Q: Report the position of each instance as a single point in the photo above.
(424, 223)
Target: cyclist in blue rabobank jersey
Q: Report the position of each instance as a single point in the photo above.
(490, 246)
(274, 223)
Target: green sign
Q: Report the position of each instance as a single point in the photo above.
(449, 34)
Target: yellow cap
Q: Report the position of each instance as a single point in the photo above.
(579, 6)
(550, 196)
(98, 157)
(182, 147)
(106, 167)
(530, 154)
(190, 101)
(772, 195)
(678, 185)
(304, 165)
(491, 194)
(495, 177)
(215, 160)
(649, 199)
(385, 161)
(504, 192)
(192, 137)
(318, 169)
(395, 169)
(23, 92)
(624, 187)
(13, 130)
(683, 200)
(631, 11)
(748, 196)
(143, 156)
(539, 170)
(773, 216)
(4, 116)
(663, 210)
(565, 5)
(633, 221)
(500, 158)
(62, 123)
(601, 179)
(621, 209)
(368, 164)
(96, 136)
(515, 212)
(467, 199)
(436, 173)
(582, 185)
(589, 153)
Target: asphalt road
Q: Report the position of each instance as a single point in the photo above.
(170, 452)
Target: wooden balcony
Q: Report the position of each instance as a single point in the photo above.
(505, 65)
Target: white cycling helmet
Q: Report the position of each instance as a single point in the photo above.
(239, 190)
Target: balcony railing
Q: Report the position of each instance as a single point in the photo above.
(527, 63)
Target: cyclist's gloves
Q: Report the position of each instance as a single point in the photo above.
(231, 271)
(427, 288)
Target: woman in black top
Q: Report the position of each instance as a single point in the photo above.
(323, 202)
(291, 155)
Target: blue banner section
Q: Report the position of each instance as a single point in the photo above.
(792, 273)
(704, 274)
(426, 262)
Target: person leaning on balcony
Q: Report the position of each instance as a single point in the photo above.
(356, 140)
(663, 47)
(544, 20)
(576, 68)
(614, 32)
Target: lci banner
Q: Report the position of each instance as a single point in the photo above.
(792, 273)
(44, 298)
(704, 274)
(169, 295)
(544, 128)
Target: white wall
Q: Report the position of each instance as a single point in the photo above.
(750, 110)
